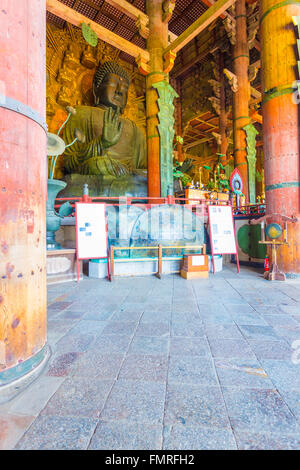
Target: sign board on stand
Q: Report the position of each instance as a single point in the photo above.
(222, 233)
(91, 232)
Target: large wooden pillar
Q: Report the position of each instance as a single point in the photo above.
(281, 120)
(241, 96)
(156, 43)
(223, 115)
(22, 191)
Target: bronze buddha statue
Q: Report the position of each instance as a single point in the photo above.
(114, 147)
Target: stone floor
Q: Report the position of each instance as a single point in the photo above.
(144, 363)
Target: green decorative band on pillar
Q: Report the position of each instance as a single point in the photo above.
(276, 92)
(241, 55)
(241, 163)
(18, 371)
(288, 184)
(279, 5)
(241, 117)
(152, 136)
(157, 73)
(241, 16)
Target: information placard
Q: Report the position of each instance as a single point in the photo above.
(91, 231)
(222, 233)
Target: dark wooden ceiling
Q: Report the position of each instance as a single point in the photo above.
(185, 13)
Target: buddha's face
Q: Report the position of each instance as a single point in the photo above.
(113, 91)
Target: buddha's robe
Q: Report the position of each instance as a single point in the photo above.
(90, 158)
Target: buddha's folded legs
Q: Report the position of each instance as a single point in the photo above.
(104, 165)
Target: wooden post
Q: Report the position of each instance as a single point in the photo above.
(223, 115)
(281, 121)
(241, 96)
(159, 263)
(112, 262)
(23, 191)
(156, 43)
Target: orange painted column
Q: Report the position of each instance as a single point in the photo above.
(241, 96)
(223, 116)
(23, 187)
(281, 121)
(156, 43)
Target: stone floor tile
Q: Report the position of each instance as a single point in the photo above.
(250, 318)
(12, 428)
(281, 320)
(195, 405)
(238, 308)
(145, 367)
(185, 316)
(242, 373)
(191, 370)
(86, 327)
(79, 396)
(149, 345)
(227, 348)
(188, 329)
(289, 333)
(119, 328)
(61, 365)
(133, 401)
(150, 316)
(122, 436)
(259, 409)
(58, 433)
(292, 399)
(284, 374)
(97, 315)
(57, 328)
(181, 437)
(254, 441)
(270, 349)
(96, 364)
(112, 344)
(71, 314)
(128, 316)
(180, 346)
(74, 343)
(223, 332)
(258, 332)
(145, 332)
(153, 329)
(59, 306)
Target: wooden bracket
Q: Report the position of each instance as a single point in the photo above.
(143, 65)
(142, 25)
(169, 59)
(168, 8)
(232, 79)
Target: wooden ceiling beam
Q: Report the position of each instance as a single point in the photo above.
(199, 25)
(134, 13)
(209, 3)
(128, 9)
(75, 18)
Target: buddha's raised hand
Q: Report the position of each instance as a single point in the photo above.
(112, 127)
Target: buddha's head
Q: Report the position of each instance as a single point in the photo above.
(110, 86)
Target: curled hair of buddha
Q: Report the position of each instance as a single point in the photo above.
(109, 67)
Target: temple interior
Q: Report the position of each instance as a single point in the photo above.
(153, 142)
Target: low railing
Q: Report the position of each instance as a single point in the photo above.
(250, 210)
(159, 258)
(148, 202)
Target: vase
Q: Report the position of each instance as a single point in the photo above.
(53, 217)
